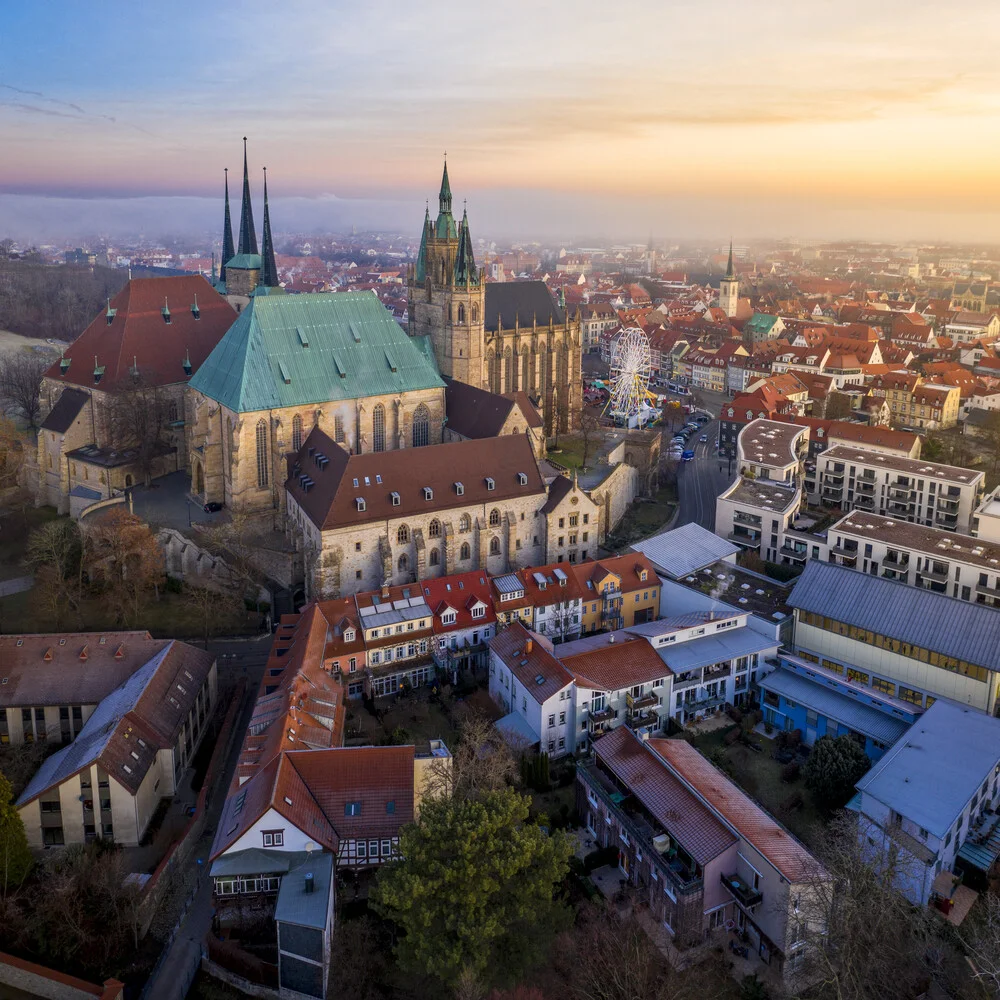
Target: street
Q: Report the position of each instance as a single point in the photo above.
(701, 480)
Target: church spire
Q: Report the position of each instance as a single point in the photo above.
(730, 273)
(465, 261)
(268, 267)
(444, 228)
(248, 238)
(444, 195)
(227, 236)
(421, 274)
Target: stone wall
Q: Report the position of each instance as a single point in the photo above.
(615, 493)
(186, 560)
(38, 981)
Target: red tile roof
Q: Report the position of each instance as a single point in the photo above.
(138, 334)
(460, 592)
(613, 666)
(529, 657)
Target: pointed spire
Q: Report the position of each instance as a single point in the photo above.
(465, 261)
(730, 273)
(444, 228)
(421, 269)
(248, 237)
(268, 267)
(444, 195)
(228, 249)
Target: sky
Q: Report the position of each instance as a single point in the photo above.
(625, 120)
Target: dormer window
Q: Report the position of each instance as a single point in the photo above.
(349, 635)
(522, 478)
(460, 489)
(490, 483)
(360, 503)
(428, 493)
(395, 499)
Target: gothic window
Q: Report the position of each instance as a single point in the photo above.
(296, 433)
(262, 453)
(338, 429)
(403, 535)
(378, 428)
(464, 523)
(421, 426)
(475, 314)
(465, 552)
(525, 384)
(435, 557)
(494, 546)
(172, 411)
(491, 369)
(434, 529)
(461, 313)
(508, 368)
(403, 563)
(494, 518)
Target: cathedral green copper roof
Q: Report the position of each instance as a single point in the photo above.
(292, 350)
(244, 262)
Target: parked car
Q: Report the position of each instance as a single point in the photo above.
(212, 507)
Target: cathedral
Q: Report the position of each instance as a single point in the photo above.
(505, 337)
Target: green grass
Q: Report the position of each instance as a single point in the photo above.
(14, 531)
(759, 775)
(171, 618)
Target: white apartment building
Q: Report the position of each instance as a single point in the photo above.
(939, 496)
(757, 514)
(932, 558)
(772, 449)
(986, 519)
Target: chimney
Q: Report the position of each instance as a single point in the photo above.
(611, 638)
(385, 591)
(309, 882)
(529, 644)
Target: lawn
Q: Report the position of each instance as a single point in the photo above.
(171, 617)
(643, 519)
(15, 528)
(759, 775)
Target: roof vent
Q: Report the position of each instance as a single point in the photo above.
(428, 493)
(98, 371)
(195, 311)
(395, 499)
(110, 314)
(539, 679)
(186, 363)
(490, 483)
(303, 337)
(165, 311)
(460, 489)
(360, 502)
(522, 478)
(309, 883)
(64, 363)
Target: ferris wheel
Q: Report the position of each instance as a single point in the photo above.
(630, 376)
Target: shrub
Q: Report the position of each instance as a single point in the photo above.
(731, 737)
(793, 802)
(734, 713)
(768, 728)
(790, 773)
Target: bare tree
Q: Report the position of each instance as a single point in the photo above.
(21, 381)
(55, 554)
(590, 426)
(138, 413)
(236, 538)
(214, 609)
(980, 937)
(481, 762)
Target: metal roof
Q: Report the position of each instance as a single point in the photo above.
(933, 772)
(509, 584)
(946, 625)
(352, 348)
(685, 550)
(257, 861)
(517, 730)
(307, 909)
(834, 705)
(714, 648)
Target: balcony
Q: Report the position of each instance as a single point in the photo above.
(899, 507)
(988, 591)
(752, 519)
(865, 486)
(744, 893)
(835, 477)
(832, 492)
(681, 682)
(945, 520)
(897, 575)
(864, 502)
(949, 504)
(792, 552)
(642, 701)
(937, 572)
(896, 560)
(747, 539)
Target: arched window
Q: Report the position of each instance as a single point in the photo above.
(491, 370)
(421, 426)
(494, 518)
(525, 384)
(296, 433)
(434, 529)
(464, 552)
(403, 535)
(378, 428)
(403, 563)
(461, 313)
(435, 557)
(508, 371)
(172, 411)
(475, 314)
(262, 453)
(464, 523)
(494, 546)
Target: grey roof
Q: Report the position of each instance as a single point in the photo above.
(930, 775)
(96, 733)
(946, 625)
(85, 492)
(307, 909)
(685, 550)
(257, 861)
(393, 612)
(509, 584)
(519, 302)
(516, 729)
(834, 705)
(67, 408)
(714, 648)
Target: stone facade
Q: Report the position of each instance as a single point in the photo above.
(438, 542)
(223, 445)
(574, 525)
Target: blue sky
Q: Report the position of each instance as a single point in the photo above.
(684, 119)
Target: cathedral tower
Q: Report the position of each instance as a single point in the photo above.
(446, 292)
(729, 288)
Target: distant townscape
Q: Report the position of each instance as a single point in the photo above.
(409, 615)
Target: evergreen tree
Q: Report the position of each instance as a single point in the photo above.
(833, 768)
(15, 855)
